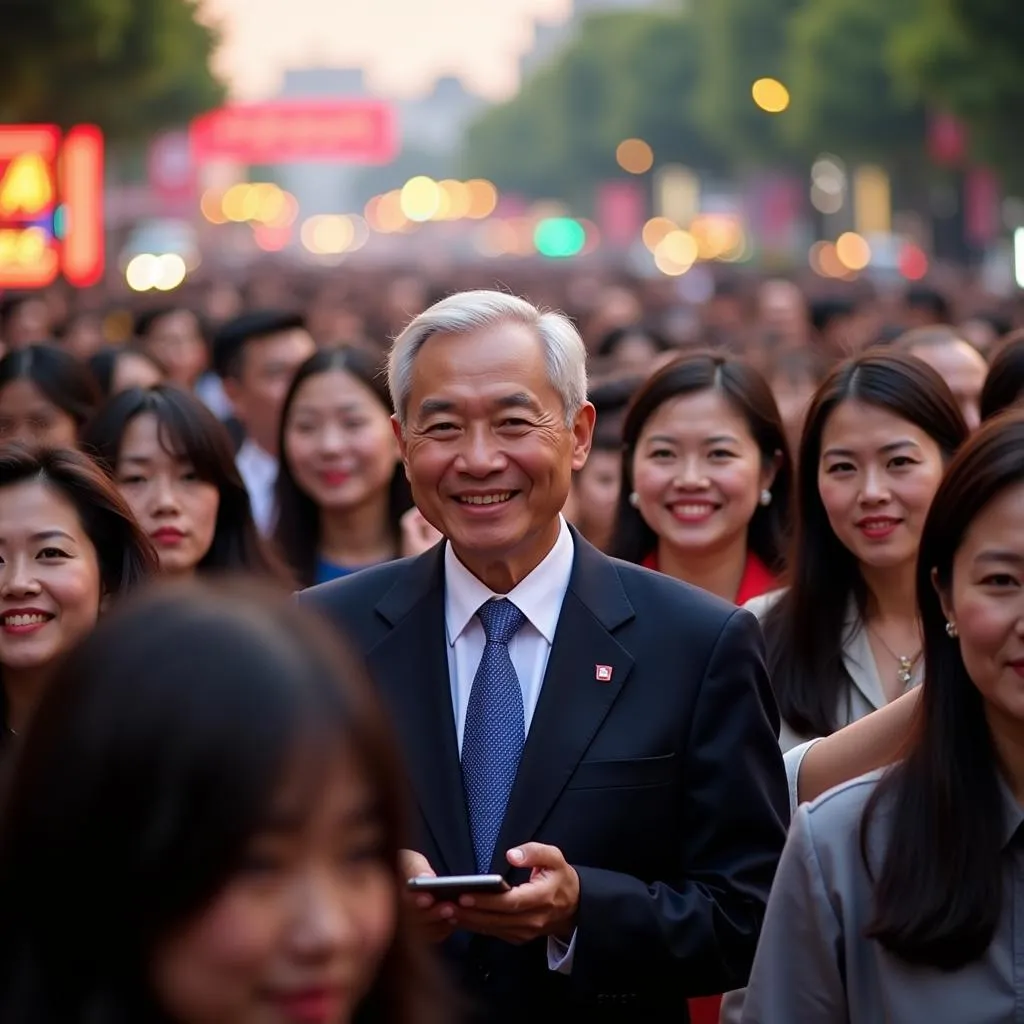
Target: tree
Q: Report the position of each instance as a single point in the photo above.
(739, 42)
(965, 56)
(626, 75)
(130, 67)
(846, 96)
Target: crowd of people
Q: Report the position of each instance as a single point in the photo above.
(701, 624)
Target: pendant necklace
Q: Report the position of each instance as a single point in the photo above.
(905, 672)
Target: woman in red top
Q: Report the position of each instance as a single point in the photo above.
(707, 477)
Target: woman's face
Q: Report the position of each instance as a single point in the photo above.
(338, 441)
(26, 414)
(298, 934)
(597, 487)
(986, 603)
(877, 476)
(50, 581)
(173, 506)
(698, 473)
(132, 370)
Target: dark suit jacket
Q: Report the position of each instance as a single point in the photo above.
(664, 787)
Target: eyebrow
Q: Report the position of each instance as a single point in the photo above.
(717, 439)
(46, 535)
(1000, 556)
(518, 400)
(145, 460)
(885, 449)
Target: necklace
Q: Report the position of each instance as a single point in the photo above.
(905, 672)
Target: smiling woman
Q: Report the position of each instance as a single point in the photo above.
(67, 543)
(171, 459)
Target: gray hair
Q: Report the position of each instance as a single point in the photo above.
(466, 312)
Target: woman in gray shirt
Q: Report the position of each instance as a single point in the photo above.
(900, 896)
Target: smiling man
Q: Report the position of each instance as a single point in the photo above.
(603, 736)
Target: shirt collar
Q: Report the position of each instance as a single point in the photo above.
(1013, 813)
(538, 596)
(255, 460)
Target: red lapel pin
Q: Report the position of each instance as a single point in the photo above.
(603, 673)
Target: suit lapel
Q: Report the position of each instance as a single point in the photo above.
(573, 700)
(411, 667)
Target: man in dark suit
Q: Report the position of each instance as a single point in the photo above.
(603, 736)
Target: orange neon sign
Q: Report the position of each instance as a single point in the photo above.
(51, 206)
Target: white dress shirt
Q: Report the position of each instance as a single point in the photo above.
(258, 469)
(539, 597)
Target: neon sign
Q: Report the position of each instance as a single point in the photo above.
(51, 206)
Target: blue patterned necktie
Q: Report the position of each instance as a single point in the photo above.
(492, 741)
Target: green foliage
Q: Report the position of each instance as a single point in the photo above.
(626, 75)
(132, 67)
(846, 97)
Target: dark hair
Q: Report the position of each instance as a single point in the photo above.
(58, 375)
(148, 319)
(124, 553)
(10, 304)
(176, 722)
(748, 393)
(938, 895)
(617, 335)
(824, 312)
(804, 628)
(103, 365)
(610, 399)
(189, 429)
(230, 342)
(1004, 383)
(923, 297)
(298, 522)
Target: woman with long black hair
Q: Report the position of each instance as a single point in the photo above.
(897, 895)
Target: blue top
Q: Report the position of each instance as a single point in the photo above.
(327, 571)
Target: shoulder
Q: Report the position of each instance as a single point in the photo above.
(648, 588)
(358, 590)
(832, 822)
(761, 605)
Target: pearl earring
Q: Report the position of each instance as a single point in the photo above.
(634, 499)
(766, 497)
(951, 630)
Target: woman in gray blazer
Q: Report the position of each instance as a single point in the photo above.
(899, 896)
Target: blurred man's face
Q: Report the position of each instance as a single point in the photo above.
(29, 324)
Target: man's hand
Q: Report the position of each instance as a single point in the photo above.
(545, 905)
(435, 919)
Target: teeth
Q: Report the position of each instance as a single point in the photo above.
(486, 499)
(24, 620)
(693, 510)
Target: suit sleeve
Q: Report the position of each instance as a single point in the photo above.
(695, 933)
(796, 974)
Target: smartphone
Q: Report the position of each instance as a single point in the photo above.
(453, 886)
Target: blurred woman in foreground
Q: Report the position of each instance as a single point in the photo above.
(218, 839)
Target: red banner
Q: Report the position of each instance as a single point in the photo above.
(621, 211)
(349, 131)
(981, 206)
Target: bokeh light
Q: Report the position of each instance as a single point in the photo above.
(420, 198)
(634, 156)
(853, 251)
(676, 253)
(211, 205)
(459, 199)
(913, 263)
(483, 199)
(655, 230)
(142, 272)
(770, 95)
(171, 273)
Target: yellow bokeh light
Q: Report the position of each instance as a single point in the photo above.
(389, 215)
(853, 251)
(770, 95)
(483, 199)
(634, 156)
(420, 198)
(241, 203)
(268, 202)
(676, 253)
(459, 198)
(327, 235)
(655, 230)
(211, 205)
(171, 272)
(142, 272)
(31, 246)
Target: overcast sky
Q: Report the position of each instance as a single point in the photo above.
(404, 44)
